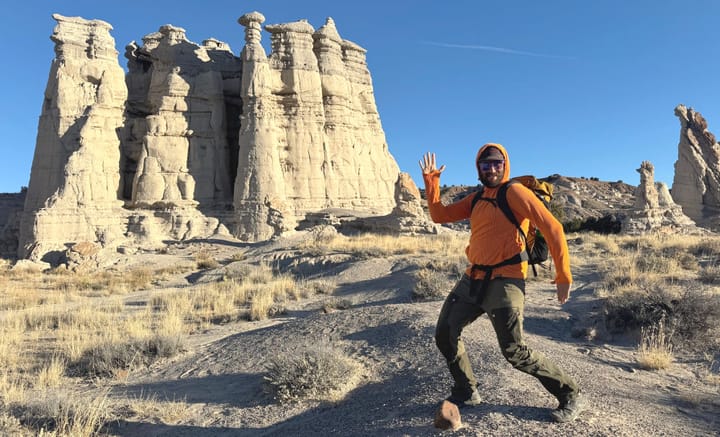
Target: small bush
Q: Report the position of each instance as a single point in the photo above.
(607, 224)
(333, 304)
(111, 358)
(106, 359)
(695, 320)
(655, 264)
(430, 285)
(687, 261)
(321, 286)
(693, 316)
(67, 414)
(707, 247)
(238, 256)
(313, 372)
(636, 309)
(710, 274)
(204, 260)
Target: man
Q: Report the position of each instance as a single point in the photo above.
(493, 248)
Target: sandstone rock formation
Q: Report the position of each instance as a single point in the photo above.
(73, 190)
(696, 185)
(408, 215)
(310, 135)
(654, 208)
(194, 140)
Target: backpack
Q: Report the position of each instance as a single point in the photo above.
(536, 248)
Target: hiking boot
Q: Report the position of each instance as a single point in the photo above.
(569, 410)
(469, 401)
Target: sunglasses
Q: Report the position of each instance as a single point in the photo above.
(487, 165)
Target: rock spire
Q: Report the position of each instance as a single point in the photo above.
(696, 184)
(654, 209)
(194, 140)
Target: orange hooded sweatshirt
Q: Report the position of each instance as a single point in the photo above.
(493, 238)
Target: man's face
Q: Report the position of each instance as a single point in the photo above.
(491, 172)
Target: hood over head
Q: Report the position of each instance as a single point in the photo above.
(487, 152)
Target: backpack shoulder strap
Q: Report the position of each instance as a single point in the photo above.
(477, 198)
(505, 207)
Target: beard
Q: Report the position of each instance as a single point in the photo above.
(490, 183)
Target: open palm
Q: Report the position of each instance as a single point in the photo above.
(429, 165)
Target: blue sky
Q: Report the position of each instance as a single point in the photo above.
(579, 88)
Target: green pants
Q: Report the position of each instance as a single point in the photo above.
(503, 301)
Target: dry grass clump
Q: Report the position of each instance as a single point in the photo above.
(313, 372)
(150, 408)
(430, 284)
(637, 308)
(435, 277)
(137, 341)
(378, 245)
(52, 373)
(255, 293)
(60, 413)
(13, 389)
(600, 244)
(707, 247)
(77, 341)
(23, 290)
(655, 351)
(116, 359)
(12, 334)
(320, 286)
(334, 304)
(205, 260)
(710, 274)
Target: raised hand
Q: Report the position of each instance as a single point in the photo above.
(428, 164)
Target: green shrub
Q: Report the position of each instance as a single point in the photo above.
(607, 224)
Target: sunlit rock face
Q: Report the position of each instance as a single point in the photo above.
(194, 140)
(74, 182)
(654, 209)
(696, 184)
(310, 135)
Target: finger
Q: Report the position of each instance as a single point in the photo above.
(442, 169)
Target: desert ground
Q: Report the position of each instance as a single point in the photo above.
(216, 384)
